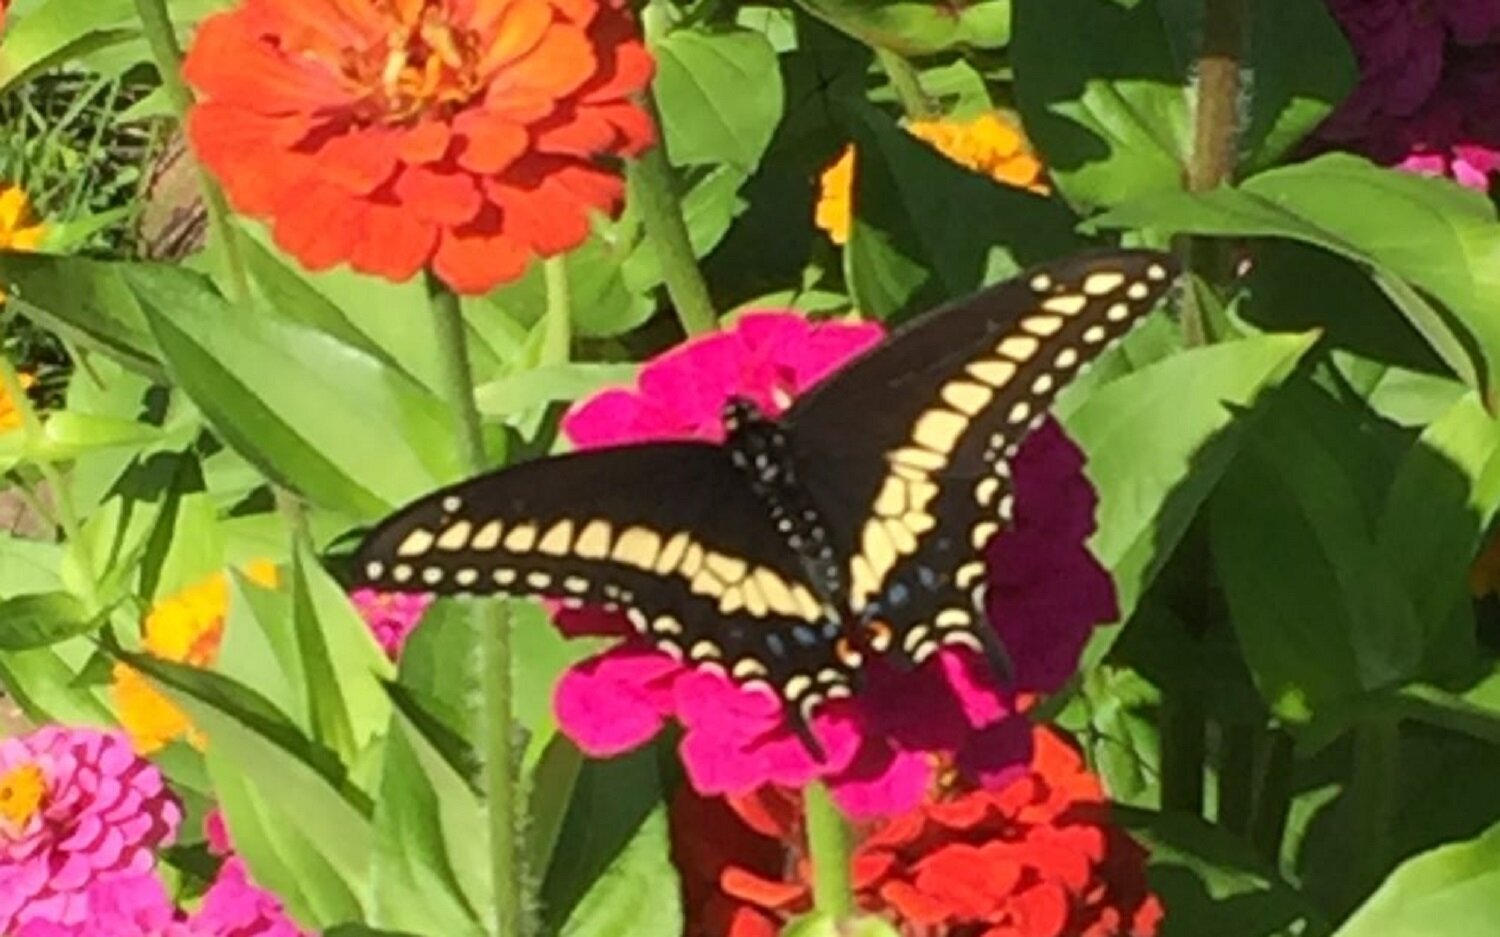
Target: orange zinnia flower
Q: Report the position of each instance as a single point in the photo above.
(990, 145)
(187, 628)
(464, 135)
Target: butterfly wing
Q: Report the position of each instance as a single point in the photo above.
(669, 533)
(906, 450)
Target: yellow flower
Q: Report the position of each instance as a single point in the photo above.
(21, 791)
(19, 228)
(10, 417)
(187, 628)
(989, 144)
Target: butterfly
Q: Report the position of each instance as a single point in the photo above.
(789, 555)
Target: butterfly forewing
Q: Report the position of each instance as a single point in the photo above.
(668, 533)
(907, 449)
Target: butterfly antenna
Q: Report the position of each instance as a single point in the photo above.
(803, 730)
(995, 652)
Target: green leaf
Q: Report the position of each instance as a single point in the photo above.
(290, 811)
(719, 94)
(906, 254)
(1320, 614)
(54, 32)
(314, 414)
(916, 27)
(1451, 890)
(86, 302)
(611, 872)
(1420, 238)
(344, 665)
(32, 621)
(1302, 68)
(1210, 882)
(1185, 405)
(261, 648)
(1102, 96)
(432, 855)
(557, 383)
(43, 682)
(604, 302)
(28, 566)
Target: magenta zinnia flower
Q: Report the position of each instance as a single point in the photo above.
(392, 616)
(78, 808)
(137, 906)
(234, 906)
(1046, 593)
(1429, 76)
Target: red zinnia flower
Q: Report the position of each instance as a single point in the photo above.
(465, 135)
(1033, 859)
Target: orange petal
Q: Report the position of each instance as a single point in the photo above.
(231, 65)
(583, 133)
(913, 906)
(475, 263)
(513, 31)
(445, 198)
(231, 143)
(627, 68)
(393, 243)
(767, 893)
(557, 67)
(318, 226)
(427, 142)
(490, 142)
(360, 160)
(547, 218)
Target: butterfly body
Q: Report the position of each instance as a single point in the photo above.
(852, 525)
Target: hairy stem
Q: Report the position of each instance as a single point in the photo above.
(491, 634)
(830, 847)
(906, 84)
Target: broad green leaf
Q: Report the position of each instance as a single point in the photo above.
(43, 682)
(1185, 405)
(316, 415)
(51, 33)
(637, 894)
(1422, 239)
(719, 94)
(291, 814)
(1443, 499)
(260, 647)
(603, 301)
(1209, 881)
(709, 207)
(28, 566)
(1451, 890)
(432, 855)
(1103, 97)
(344, 665)
(611, 873)
(86, 302)
(915, 27)
(34, 621)
(1320, 613)
(67, 435)
(905, 251)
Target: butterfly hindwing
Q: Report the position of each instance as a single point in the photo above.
(668, 533)
(907, 449)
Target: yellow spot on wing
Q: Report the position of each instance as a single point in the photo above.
(593, 542)
(966, 397)
(488, 537)
(1042, 325)
(1098, 284)
(892, 498)
(672, 553)
(521, 538)
(558, 539)
(993, 373)
(726, 568)
(1018, 347)
(1069, 305)
(416, 543)
(638, 547)
(939, 430)
(456, 537)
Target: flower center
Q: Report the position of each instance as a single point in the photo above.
(21, 793)
(425, 64)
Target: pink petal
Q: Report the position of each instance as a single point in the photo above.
(615, 701)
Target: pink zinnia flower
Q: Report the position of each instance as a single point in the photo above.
(77, 808)
(392, 616)
(234, 906)
(137, 906)
(1046, 594)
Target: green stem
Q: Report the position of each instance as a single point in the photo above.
(653, 191)
(907, 85)
(830, 848)
(1237, 776)
(491, 633)
(1182, 752)
(156, 23)
(1273, 796)
(557, 337)
(1372, 801)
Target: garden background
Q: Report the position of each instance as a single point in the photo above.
(352, 251)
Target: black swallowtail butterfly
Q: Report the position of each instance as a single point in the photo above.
(852, 525)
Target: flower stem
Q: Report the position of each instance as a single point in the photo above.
(491, 633)
(156, 23)
(653, 192)
(557, 337)
(1215, 138)
(830, 848)
(906, 83)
